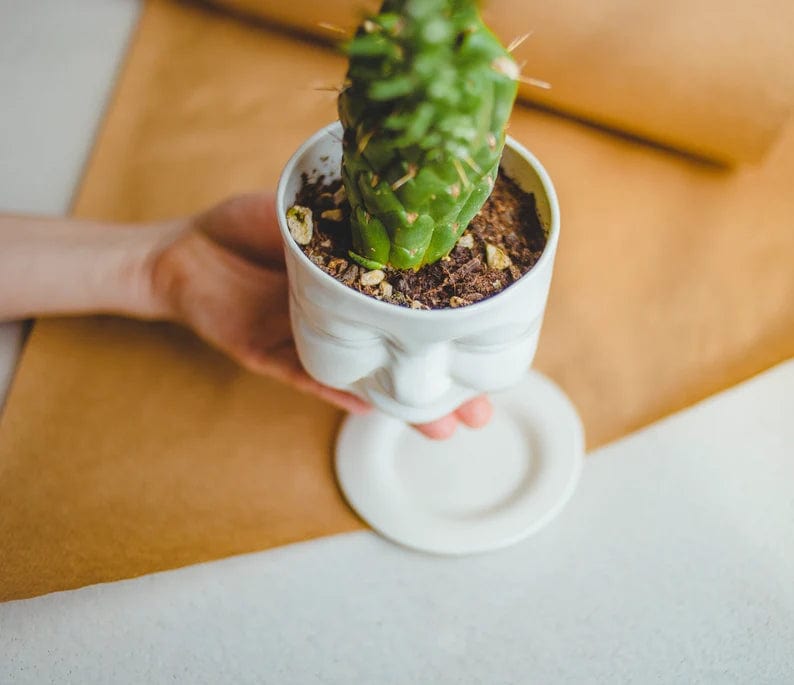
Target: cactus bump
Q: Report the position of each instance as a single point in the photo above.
(428, 93)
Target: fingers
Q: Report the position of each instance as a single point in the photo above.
(343, 400)
(475, 413)
(247, 225)
(283, 364)
(441, 429)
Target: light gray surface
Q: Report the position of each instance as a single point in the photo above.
(672, 564)
(58, 61)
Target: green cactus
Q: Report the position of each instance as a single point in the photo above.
(428, 93)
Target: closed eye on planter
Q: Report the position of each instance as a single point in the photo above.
(347, 335)
(498, 338)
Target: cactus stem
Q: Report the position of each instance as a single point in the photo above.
(424, 120)
(462, 173)
(518, 40)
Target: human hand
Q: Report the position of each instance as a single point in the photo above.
(223, 276)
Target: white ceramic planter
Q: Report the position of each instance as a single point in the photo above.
(415, 365)
(482, 489)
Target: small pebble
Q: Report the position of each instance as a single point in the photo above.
(399, 298)
(386, 289)
(332, 214)
(466, 240)
(456, 301)
(496, 258)
(340, 196)
(416, 304)
(300, 224)
(372, 277)
(350, 275)
(325, 243)
(337, 265)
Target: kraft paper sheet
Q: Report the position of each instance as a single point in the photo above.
(127, 448)
(709, 77)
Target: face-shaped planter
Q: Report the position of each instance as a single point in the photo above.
(415, 365)
(477, 491)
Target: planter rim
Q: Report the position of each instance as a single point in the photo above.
(396, 310)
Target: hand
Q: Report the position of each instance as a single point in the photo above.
(223, 276)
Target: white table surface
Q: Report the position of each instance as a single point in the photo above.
(58, 61)
(673, 563)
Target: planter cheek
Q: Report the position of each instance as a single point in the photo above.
(335, 360)
(491, 372)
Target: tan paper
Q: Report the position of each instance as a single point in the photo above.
(709, 77)
(127, 448)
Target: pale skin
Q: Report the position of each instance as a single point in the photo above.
(219, 273)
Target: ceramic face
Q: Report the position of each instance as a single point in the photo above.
(414, 365)
(416, 370)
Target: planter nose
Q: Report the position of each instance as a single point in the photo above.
(419, 377)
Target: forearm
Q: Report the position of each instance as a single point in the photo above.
(69, 267)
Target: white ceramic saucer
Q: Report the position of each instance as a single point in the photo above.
(478, 491)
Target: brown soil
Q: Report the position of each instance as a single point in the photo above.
(508, 221)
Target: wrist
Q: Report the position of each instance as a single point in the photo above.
(136, 270)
